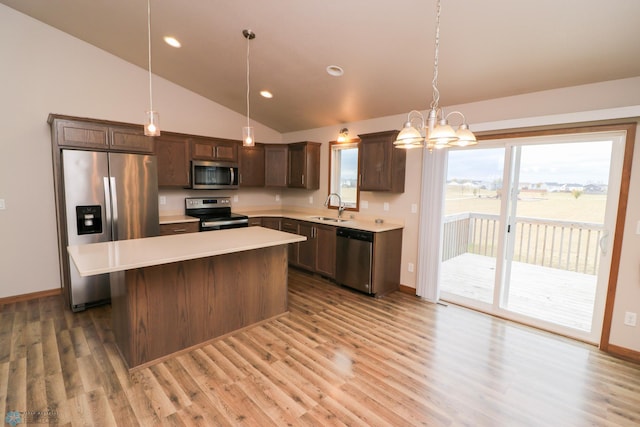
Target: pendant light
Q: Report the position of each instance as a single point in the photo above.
(151, 125)
(248, 138)
(437, 131)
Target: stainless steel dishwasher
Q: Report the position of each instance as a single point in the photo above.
(354, 254)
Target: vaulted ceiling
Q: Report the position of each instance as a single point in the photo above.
(488, 49)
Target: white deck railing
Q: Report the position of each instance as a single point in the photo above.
(565, 245)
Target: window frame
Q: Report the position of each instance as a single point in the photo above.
(333, 145)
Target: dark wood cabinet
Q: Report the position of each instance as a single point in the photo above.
(316, 254)
(214, 149)
(275, 164)
(130, 139)
(255, 222)
(386, 263)
(252, 166)
(307, 249)
(304, 165)
(325, 250)
(179, 228)
(291, 226)
(172, 152)
(92, 135)
(382, 166)
(71, 133)
(271, 222)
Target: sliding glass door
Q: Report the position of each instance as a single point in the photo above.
(531, 241)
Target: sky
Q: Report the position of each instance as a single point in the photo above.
(579, 163)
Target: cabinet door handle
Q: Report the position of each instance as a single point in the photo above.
(179, 230)
(302, 179)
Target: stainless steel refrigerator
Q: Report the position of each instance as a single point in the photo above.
(108, 197)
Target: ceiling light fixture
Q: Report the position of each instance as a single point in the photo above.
(266, 94)
(172, 41)
(248, 139)
(438, 132)
(151, 126)
(335, 70)
(343, 136)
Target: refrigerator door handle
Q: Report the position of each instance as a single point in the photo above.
(107, 203)
(114, 203)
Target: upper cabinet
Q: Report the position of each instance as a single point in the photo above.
(173, 155)
(252, 166)
(214, 149)
(304, 165)
(382, 166)
(102, 136)
(275, 165)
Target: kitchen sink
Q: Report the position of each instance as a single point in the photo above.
(328, 218)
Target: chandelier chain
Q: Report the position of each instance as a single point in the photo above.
(436, 92)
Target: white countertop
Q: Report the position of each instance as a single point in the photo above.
(358, 224)
(176, 219)
(107, 257)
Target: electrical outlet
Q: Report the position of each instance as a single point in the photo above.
(385, 206)
(410, 267)
(364, 204)
(310, 200)
(414, 208)
(163, 200)
(630, 318)
(2, 205)
(277, 197)
(235, 198)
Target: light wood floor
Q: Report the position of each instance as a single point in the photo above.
(338, 358)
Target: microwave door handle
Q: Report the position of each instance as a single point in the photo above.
(232, 176)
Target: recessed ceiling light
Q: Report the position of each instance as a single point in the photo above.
(266, 94)
(335, 70)
(172, 41)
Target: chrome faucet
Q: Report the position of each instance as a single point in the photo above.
(340, 204)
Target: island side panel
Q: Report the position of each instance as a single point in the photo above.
(170, 307)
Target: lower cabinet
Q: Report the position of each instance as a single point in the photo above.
(271, 222)
(179, 228)
(318, 253)
(326, 252)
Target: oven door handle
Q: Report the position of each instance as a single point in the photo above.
(228, 222)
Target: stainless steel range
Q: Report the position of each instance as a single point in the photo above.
(214, 213)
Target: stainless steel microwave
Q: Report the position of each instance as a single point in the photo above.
(207, 175)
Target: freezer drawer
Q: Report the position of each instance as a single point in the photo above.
(354, 252)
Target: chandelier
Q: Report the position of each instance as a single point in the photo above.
(438, 133)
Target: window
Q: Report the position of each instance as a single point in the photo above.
(343, 174)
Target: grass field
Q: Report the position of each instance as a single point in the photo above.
(558, 206)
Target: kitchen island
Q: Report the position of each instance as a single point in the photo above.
(172, 293)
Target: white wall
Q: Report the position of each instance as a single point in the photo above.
(50, 72)
(46, 71)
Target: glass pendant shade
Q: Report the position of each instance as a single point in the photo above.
(409, 137)
(152, 125)
(442, 135)
(248, 139)
(465, 137)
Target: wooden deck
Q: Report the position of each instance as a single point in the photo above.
(562, 297)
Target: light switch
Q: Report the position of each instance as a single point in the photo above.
(163, 200)
(2, 206)
(414, 208)
(385, 206)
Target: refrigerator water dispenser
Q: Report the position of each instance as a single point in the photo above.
(89, 219)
